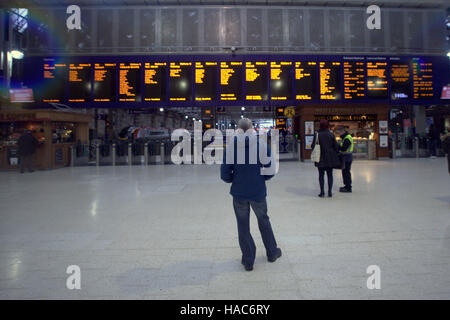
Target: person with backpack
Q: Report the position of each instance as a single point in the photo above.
(325, 156)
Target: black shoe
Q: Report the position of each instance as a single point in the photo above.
(330, 194)
(277, 255)
(321, 194)
(247, 268)
(344, 189)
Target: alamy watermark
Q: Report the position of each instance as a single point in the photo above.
(240, 147)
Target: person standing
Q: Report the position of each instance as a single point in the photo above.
(346, 148)
(27, 147)
(433, 135)
(446, 146)
(329, 159)
(248, 188)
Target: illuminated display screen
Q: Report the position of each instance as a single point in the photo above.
(130, 82)
(180, 81)
(231, 80)
(155, 81)
(422, 79)
(354, 83)
(377, 83)
(305, 80)
(330, 80)
(105, 82)
(256, 80)
(272, 80)
(400, 80)
(79, 82)
(205, 81)
(280, 80)
(55, 77)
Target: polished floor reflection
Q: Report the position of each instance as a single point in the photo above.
(169, 232)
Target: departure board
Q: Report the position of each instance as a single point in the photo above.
(55, 77)
(130, 82)
(155, 81)
(104, 82)
(377, 83)
(422, 79)
(400, 80)
(256, 80)
(330, 84)
(281, 80)
(231, 80)
(79, 82)
(205, 81)
(305, 80)
(180, 81)
(354, 82)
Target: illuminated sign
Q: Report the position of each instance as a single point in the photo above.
(231, 80)
(305, 80)
(180, 81)
(104, 82)
(330, 80)
(422, 79)
(205, 81)
(281, 80)
(400, 80)
(55, 77)
(354, 83)
(130, 82)
(155, 81)
(256, 80)
(377, 84)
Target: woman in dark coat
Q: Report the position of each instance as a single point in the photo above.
(329, 159)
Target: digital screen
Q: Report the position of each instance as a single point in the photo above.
(130, 82)
(79, 82)
(105, 82)
(205, 81)
(330, 80)
(55, 77)
(180, 81)
(231, 80)
(377, 83)
(400, 80)
(422, 79)
(280, 80)
(256, 80)
(305, 80)
(354, 84)
(155, 81)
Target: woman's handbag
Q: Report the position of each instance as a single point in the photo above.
(315, 154)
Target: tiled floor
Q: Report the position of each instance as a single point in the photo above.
(169, 232)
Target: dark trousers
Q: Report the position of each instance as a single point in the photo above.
(26, 161)
(448, 162)
(433, 147)
(248, 248)
(329, 172)
(347, 175)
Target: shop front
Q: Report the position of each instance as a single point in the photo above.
(56, 132)
(368, 125)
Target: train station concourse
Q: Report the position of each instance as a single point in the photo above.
(224, 150)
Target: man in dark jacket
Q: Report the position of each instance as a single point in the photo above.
(446, 146)
(249, 190)
(346, 148)
(27, 146)
(433, 135)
